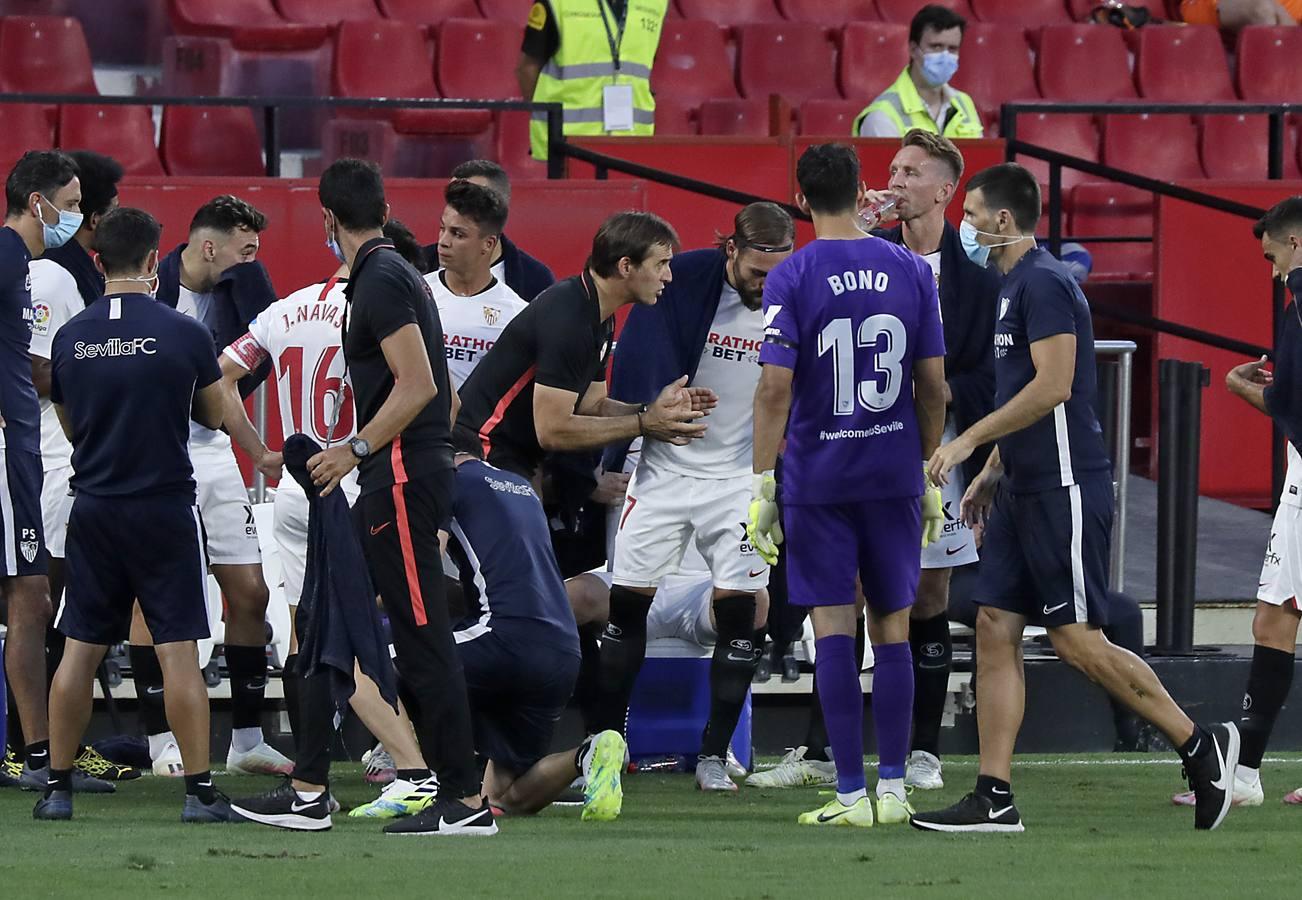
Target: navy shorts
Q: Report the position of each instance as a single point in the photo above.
(878, 540)
(22, 532)
(124, 549)
(1045, 554)
(518, 689)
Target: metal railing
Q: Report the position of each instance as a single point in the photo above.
(1117, 422)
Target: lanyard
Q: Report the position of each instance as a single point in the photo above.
(615, 39)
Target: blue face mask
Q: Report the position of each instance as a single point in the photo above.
(332, 244)
(60, 232)
(939, 67)
(978, 252)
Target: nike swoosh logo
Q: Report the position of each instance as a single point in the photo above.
(299, 807)
(151, 691)
(823, 818)
(959, 550)
(377, 530)
(741, 659)
(205, 784)
(759, 573)
(999, 792)
(444, 823)
(1224, 783)
(996, 813)
(1050, 610)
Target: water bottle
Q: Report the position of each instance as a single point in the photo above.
(871, 216)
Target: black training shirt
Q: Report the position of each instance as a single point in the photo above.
(385, 293)
(560, 341)
(125, 371)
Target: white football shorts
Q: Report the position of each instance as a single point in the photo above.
(56, 504)
(1281, 570)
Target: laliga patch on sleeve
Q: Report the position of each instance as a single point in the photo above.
(40, 318)
(537, 16)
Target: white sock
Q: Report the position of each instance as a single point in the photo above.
(245, 739)
(1247, 775)
(308, 796)
(891, 786)
(851, 798)
(158, 741)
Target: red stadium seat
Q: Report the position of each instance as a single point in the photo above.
(215, 140)
(44, 55)
(749, 118)
(1238, 147)
(903, 11)
(476, 59)
(511, 146)
(432, 12)
(1103, 209)
(730, 12)
(391, 59)
(829, 117)
(872, 55)
(249, 24)
(1159, 146)
(692, 62)
(821, 12)
(327, 12)
(27, 127)
(125, 133)
(794, 59)
(1083, 62)
(1182, 65)
(995, 67)
(675, 117)
(1268, 60)
(505, 11)
(1074, 135)
(1025, 13)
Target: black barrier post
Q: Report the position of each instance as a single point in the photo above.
(1275, 171)
(1180, 387)
(1055, 209)
(1107, 403)
(555, 137)
(271, 138)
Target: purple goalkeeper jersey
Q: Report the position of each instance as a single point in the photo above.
(849, 318)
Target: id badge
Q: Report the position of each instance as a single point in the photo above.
(617, 107)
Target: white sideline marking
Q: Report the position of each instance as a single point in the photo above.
(1069, 761)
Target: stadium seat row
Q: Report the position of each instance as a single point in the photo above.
(191, 140)
(299, 21)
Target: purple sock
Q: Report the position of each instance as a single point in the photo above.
(841, 697)
(892, 706)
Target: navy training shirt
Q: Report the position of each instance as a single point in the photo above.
(502, 545)
(126, 370)
(1040, 299)
(18, 401)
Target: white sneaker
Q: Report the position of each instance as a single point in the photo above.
(1246, 793)
(380, 768)
(735, 768)
(168, 763)
(923, 772)
(795, 771)
(712, 775)
(263, 759)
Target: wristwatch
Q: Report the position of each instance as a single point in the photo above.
(361, 448)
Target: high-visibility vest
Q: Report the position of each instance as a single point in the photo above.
(902, 102)
(583, 64)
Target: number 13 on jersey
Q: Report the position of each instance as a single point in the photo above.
(886, 339)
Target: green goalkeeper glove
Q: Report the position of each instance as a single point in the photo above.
(762, 526)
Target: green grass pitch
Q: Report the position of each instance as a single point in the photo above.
(1097, 826)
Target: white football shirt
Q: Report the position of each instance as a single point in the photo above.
(198, 307)
(471, 325)
(730, 367)
(301, 336)
(55, 300)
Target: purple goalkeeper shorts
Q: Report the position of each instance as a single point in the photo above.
(828, 545)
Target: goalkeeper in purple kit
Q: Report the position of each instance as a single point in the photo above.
(854, 376)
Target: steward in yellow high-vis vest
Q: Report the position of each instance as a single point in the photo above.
(904, 107)
(600, 69)
(922, 97)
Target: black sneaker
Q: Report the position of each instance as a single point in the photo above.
(55, 808)
(448, 817)
(284, 808)
(571, 796)
(35, 779)
(972, 813)
(1212, 776)
(196, 812)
